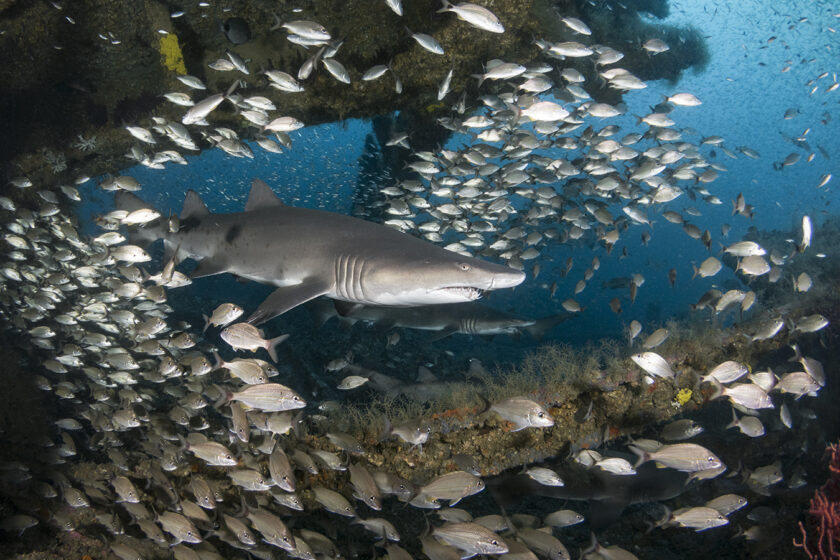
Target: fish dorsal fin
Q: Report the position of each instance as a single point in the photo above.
(261, 196)
(194, 207)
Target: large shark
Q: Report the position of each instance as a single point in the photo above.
(608, 494)
(309, 253)
(464, 318)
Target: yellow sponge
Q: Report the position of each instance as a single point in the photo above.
(173, 58)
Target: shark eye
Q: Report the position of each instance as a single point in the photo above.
(464, 266)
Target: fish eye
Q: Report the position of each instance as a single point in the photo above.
(494, 542)
(540, 415)
(285, 539)
(464, 266)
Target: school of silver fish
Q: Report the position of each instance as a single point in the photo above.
(149, 393)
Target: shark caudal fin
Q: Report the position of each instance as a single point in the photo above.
(147, 233)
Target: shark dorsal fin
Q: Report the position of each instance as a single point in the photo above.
(261, 196)
(194, 207)
(425, 375)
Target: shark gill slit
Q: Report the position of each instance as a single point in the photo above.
(358, 275)
(345, 280)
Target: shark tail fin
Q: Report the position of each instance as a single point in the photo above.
(271, 346)
(140, 235)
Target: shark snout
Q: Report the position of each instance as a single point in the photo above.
(507, 279)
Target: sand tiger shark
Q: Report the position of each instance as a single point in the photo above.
(470, 318)
(308, 253)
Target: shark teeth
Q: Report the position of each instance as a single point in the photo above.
(464, 291)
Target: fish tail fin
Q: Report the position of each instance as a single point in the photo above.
(642, 455)
(216, 358)
(185, 445)
(734, 422)
(226, 397)
(206, 324)
(718, 388)
(485, 404)
(147, 234)
(446, 7)
(593, 544)
(480, 78)
(660, 522)
(696, 272)
(386, 428)
(271, 346)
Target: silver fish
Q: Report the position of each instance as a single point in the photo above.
(269, 397)
(654, 364)
(475, 15)
(471, 538)
(453, 486)
(523, 413)
(365, 487)
(685, 457)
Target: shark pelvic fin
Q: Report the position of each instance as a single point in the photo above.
(261, 196)
(194, 207)
(346, 308)
(283, 299)
(440, 335)
(208, 267)
(142, 236)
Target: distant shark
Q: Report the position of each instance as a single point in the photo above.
(464, 318)
(608, 494)
(309, 253)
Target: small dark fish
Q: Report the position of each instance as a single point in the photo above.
(236, 30)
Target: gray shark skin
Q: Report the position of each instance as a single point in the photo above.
(309, 253)
(464, 318)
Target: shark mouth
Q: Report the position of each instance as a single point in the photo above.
(466, 292)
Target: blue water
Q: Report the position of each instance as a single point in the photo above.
(748, 84)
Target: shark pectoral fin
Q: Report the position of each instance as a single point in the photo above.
(283, 299)
(603, 513)
(384, 326)
(541, 326)
(443, 334)
(208, 267)
(346, 308)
